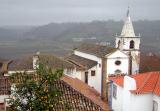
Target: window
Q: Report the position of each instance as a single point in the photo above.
(131, 44)
(117, 62)
(118, 71)
(114, 91)
(155, 106)
(93, 73)
(69, 71)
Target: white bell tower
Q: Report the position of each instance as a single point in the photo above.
(129, 43)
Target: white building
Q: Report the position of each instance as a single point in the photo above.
(94, 61)
(97, 62)
(139, 92)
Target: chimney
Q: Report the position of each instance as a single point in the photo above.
(104, 79)
(36, 60)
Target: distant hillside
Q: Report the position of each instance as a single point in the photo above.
(102, 30)
(99, 29)
(67, 31)
(63, 36)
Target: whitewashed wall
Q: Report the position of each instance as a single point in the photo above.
(2, 97)
(72, 73)
(141, 102)
(88, 56)
(93, 81)
(157, 99)
(125, 42)
(127, 101)
(125, 45)
(80, 75)
(117, 103)
(112, 67)
(14, 72)
(129, 84)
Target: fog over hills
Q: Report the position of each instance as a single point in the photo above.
(61, 37)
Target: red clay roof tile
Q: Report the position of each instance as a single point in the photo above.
(87, 91)
(146, 82)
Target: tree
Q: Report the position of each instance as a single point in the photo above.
(35, 92)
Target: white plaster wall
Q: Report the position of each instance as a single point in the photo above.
(130, 102)
(157, 99)
(2, 97)
(95, 81)
(73, 73)
(135, 102)
(117, 103)
(14, 72)
(80, 75)
(88, 56)
(127, 43)
(127, 101)
(112, 67)
(129, 84)
(141, 102)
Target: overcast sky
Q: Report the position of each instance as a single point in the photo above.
(38, 12)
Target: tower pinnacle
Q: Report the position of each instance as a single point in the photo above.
(128, 30)
(128, 11)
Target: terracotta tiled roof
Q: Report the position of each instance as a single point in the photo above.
(97, 50)
(149, 62)
(118, 80)
(82, 62)
(146, 82)
(46, 59)
(87, 91)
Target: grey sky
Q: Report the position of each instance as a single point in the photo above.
(37, 12)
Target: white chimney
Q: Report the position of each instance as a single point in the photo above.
(36, 60)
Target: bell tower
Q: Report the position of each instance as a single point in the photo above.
(129, 43)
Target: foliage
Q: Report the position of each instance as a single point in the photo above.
(35, 92)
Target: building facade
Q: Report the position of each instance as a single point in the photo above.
(95, 63)
(129, 43)
(100, 61)
(139, 92)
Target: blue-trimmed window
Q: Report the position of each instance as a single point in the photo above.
(114, 91)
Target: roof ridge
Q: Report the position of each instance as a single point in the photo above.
(144, 83)
(76, 63)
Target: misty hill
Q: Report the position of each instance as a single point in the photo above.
(62, 36)
(102, 30)
(67, 31)
(6, 34)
